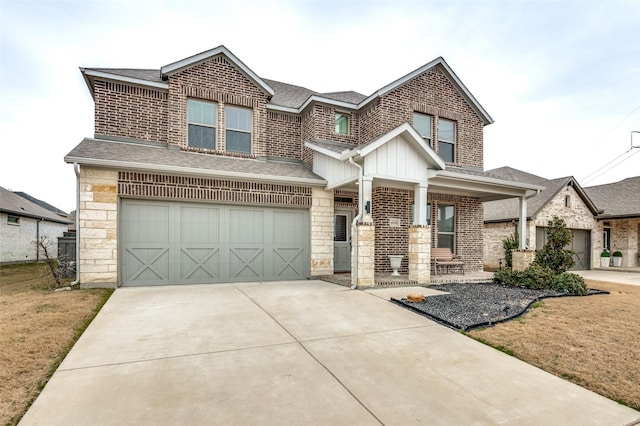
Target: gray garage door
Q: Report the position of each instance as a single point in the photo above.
(581, 245)
(188, 243)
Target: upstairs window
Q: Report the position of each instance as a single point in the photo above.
(423, 124)
(202, 117)
(342, 123)
(238, 129)
(447, 140)
(13, 220)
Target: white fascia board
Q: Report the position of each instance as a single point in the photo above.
(519, 186)
(177, 66)
(190, 171)
(283, 109)
(109, 76)
(340, 184)
(327, 152)
(320, 99)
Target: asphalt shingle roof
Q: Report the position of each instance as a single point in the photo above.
(141, 74)
(618, 199)
(20, 206)
(161, 157)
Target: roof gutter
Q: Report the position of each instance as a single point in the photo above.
(194, 172)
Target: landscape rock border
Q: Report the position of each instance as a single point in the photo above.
(467, 306)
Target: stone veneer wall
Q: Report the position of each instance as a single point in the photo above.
(625, 237)
(494, 234)
(322, 232)
(98, 216)
(420, 254)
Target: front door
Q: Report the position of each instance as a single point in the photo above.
(342, 241)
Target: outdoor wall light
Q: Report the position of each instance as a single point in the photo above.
(367, 207)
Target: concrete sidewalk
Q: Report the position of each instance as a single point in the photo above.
(612, 275)
(297, 353)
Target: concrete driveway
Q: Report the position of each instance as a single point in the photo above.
(296, 353)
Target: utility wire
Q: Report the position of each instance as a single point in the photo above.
(586, 180)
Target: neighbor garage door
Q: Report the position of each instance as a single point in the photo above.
(581, 245)
(189, 243)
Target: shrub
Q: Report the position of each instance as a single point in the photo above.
(509, 244)
(507, 276)
(537, 277)
(570, 283)
(554, 254)
(617, 254)
(605, 253)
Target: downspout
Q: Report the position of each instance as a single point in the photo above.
(76, 169)
(354, 228)
(38, 238)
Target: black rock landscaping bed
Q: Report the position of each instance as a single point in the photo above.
(474, 305)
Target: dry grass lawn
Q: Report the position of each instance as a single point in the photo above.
(38, 328)
(593, 341)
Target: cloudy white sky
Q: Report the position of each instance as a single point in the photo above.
(561, 79)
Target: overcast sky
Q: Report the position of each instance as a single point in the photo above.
(561, 79)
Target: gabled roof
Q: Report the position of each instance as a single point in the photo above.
(506, 210)
(12, 203)
(41, 203)
(284, 97)
(618, 199)
(156, 157)
(204, 56)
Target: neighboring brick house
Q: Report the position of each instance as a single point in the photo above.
(202, 171)
(561, 197)
(619, 220)
(24, 220)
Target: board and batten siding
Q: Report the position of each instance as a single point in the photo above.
(398, 160)
(336, 172)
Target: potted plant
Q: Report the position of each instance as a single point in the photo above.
(617, 258)
(605, 257)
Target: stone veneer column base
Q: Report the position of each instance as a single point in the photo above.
(420, 254)
(521, 259)
(366, 255)
(321, 232)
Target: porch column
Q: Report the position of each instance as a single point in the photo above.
(522, 226)
(420, 204)
(420, 254)
(366, 255)
(366, 204)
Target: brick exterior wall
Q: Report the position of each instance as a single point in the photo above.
(398, 204)
(430, 93)
(284, 135)
(130, 111)
(148, 185)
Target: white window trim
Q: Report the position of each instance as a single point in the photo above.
(214, 126)
(226, 128)
(335, 119)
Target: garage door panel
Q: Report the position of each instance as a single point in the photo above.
(199, 264)
(145, 265)
(184, 243)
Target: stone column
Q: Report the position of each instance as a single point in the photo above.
(98, 217)
(521, 259)
(366, 255)
(420, 254)
(322, 232)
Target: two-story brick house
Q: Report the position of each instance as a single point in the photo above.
(202, 171)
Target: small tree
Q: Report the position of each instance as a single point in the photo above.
(509, 244)
(554, 254)
(45, 245)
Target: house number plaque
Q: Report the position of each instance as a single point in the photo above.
(394, 223)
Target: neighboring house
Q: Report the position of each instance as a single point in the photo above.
(561, 197)
(619, 222)
(202, 171)
(23, 223)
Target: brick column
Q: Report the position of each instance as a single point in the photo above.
(366, 255)
(420, 254)
(98, 218)
(322, 232)
(521, 259)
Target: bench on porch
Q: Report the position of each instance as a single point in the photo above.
(442, 258)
